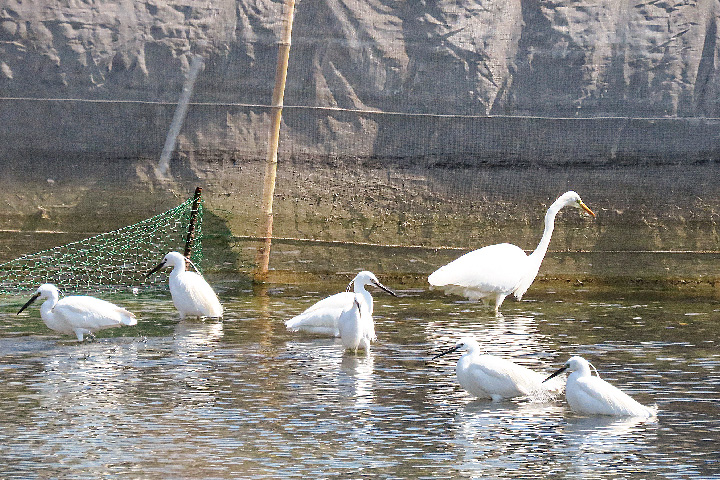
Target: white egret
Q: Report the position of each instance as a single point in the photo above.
(594, 396)
(489, 376)
(78, 314)
(356, 327)
(347, 314)
(492, 273)
(191, 294)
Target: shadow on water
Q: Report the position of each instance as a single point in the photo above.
(225, 263)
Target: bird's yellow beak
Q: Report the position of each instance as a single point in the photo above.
(586, 208)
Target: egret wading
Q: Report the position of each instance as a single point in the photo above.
(591, 395)
(191, 294)
(78, 314)
(492, 273)
(357, 328)
(348, 315)
(488, 376)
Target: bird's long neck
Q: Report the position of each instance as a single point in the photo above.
(360, 290)
(466, 359)
(178, 268)
(48, 305)
(472, 352)
(540, 251)
(581, 372)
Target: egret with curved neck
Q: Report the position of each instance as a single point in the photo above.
(348, 315)
(191, 294)
(489, 376)
(591, 395)
(78, 314)
(492, 273)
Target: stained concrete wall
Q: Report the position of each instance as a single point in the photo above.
(438, 124)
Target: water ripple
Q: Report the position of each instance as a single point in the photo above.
(245, 398)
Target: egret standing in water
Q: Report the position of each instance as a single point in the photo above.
(191, 294)
(594, 396)
(356, 328)
(78, 314)
(347, 314)
(488, 376)
(494, 272)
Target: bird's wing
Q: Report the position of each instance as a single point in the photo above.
(194, 286)
(596, 391)
(366, 318)
(505, 377)
(322, 317)
(80, 311)
(529, 272)
(495, 268)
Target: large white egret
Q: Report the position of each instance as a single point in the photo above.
(494, 272)
(588, 394)
(191, 294)
(347, 314)
(78, 315)
(489, 376)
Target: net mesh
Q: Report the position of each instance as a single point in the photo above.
(111, 262)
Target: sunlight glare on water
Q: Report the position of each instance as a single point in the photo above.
(245, 398)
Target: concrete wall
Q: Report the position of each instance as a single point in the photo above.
(437, 124)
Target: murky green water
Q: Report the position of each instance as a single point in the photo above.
(243, 398)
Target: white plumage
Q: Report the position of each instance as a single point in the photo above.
(322, 317)
(78, 315)
(489, 376)
(191, 294)
(356, 327)
(347, 314)
(588, 394)
(496, 271)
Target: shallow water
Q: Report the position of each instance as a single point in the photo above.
(245, 398)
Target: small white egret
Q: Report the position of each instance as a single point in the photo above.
(191, 294)
(594, 396)
(356, 327)
(489, 376)
(347, 314)
(78, 314)
(492, 273)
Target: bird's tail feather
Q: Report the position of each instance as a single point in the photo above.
(128, 319)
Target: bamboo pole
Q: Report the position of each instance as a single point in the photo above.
(263, 253)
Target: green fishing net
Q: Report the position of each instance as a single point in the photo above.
(115, 261)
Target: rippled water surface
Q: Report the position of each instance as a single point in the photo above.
(245, 398)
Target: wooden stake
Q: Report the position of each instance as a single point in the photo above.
(193, 218)
(263, 254)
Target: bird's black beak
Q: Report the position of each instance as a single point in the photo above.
(158, 267)
(558, 372)
(449, 350)
(383, 287)
(29, 302)
(350, 286)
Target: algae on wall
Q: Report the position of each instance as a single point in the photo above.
(406, 123)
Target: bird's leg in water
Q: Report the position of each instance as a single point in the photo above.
(81, 332)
